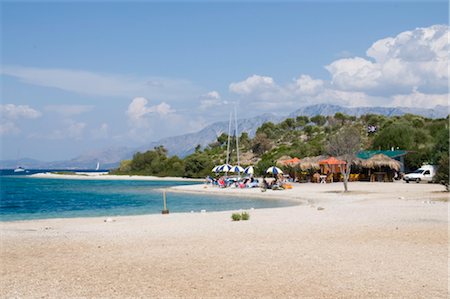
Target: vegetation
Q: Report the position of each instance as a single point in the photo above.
(236, 217)
(240, 216)
(426, 140)
(245, 216)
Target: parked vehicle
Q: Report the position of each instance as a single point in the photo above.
(425, 173)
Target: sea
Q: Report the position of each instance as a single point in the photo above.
(23, 197)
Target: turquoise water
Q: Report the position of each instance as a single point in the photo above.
(23, 198)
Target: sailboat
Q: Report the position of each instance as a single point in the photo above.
(19, 169)
(236, 136)
(98, 166)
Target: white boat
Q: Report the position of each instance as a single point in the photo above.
(19, 169)
(98, 166)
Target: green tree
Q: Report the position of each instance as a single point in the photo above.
(395, 135)
(301, 121)
(319, 120)
(222, 139)
(442, 171)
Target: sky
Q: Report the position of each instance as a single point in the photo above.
(83, 76)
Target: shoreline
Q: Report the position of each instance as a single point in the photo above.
(112, 177)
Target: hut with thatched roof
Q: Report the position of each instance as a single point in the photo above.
(381, 167)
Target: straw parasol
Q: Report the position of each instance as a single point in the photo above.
(380, 160)
(310, 162)
(281, 160)
(332, 161)
(333, 165)
(291, 162)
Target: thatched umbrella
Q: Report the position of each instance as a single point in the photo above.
(310, 163)
(281, 160)
(333, 165)
(291, 162)
(380, 160)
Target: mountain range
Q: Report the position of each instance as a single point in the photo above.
(183, 145)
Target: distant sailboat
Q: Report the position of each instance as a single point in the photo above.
(19, 169)
(98, 166)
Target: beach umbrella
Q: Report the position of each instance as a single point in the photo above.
(225, 168)
(249, 170)
(274, 170)
(237, 168)
(333, 165)
(216, 168)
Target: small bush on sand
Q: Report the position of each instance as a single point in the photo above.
(236, 216)
(245, 216)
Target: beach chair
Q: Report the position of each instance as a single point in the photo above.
(221, 183)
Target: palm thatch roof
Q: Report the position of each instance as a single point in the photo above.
(280, 161)
(310, 162)
(381, 160)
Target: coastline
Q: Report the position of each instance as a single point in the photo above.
(380, 240)
(105, 176)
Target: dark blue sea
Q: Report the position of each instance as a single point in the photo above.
(24, 197)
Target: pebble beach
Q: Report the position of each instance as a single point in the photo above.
(380, 240)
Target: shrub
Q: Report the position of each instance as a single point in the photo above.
(236, 216)
(245, 216)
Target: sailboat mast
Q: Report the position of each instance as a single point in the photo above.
(237, 134)
(228, 143)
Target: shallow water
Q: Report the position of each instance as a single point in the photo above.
(23, 197)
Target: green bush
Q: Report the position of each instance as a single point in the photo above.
(240, 216)
(245, 216)
(236, 216)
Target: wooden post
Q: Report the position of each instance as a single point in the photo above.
(165, 210)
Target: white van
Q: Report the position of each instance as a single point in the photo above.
(425, 173)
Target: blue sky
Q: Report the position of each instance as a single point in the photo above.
(82, 76)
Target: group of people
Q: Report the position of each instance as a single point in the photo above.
(225, 182)
(279, 182)
(276, 184)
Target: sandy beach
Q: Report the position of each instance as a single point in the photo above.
(381, 240)
(107, 176)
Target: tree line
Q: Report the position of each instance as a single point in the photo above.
(425, 139)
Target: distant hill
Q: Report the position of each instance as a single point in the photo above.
(329, 109)
(184, 145)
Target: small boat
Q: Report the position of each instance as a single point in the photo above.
(19, 169)
(98, 166)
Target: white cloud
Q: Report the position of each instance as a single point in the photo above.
(10, 114)
(8, 128)
(416, 59)
(138, 112)
(69, 110)
(254, 84)
(305, 85)
(211, 99)
(410, 69)
(418, 99)
(11, 111)
(354, 73)
(102, 84)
